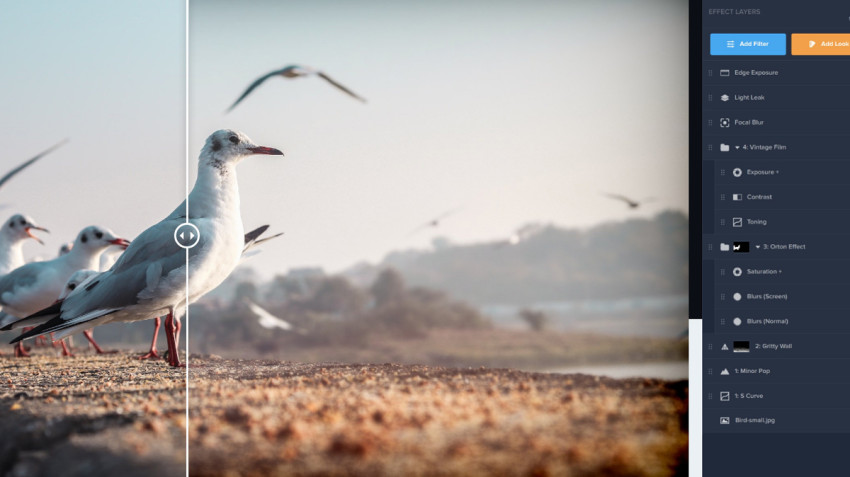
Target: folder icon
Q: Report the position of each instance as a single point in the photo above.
(724, 147)
(724, 247)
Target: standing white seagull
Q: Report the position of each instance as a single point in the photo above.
(13, 233)
(149, 279)
(80, 278)
(294, 71)
(34, 286)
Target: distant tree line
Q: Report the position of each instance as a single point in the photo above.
(634, 258)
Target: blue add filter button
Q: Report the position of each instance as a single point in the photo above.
(747, 44)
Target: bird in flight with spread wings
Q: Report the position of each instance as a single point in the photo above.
(633, 204)
(29, 162)
(294, 71)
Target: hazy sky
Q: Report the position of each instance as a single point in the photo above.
(111, 77)
(514, 111)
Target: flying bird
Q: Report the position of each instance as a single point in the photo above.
(149, 278)
(633, 204)
(435, 222)
(294, 71)
(29, 162)
(266, 319)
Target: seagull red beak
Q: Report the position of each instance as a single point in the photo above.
(265, 150)
(27, 230)
(123, 243)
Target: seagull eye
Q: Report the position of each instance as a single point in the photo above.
(12, 224)
(72, 286)
(234, 139)
(98, 234)
(23, 222)
(84, 238)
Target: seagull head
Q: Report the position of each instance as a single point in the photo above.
(226, 146)
(20, 227)
(78, 278)
(95, 239)
(65, 248)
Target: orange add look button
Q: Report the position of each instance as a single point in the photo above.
(823, 44)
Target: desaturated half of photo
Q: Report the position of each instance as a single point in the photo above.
(93, 108)
(442, 238)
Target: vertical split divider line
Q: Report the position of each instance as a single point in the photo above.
(186, 312)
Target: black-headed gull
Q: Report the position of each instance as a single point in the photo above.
(13, 233)
(294, 71)
(34, 286)
(65, 248)
(78, 279)
(149, 279)
(633, 204)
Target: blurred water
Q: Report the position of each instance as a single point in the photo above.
(668, 370)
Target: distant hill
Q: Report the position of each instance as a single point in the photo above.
(634, 258)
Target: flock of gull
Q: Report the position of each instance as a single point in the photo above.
(154, 276)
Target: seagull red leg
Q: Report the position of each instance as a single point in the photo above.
(20, 351)
(177, 325)
(40, 341)
(173, 352)
(89, 336)
(152, 353)
(65, 351)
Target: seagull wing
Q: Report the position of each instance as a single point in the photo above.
(254, 85)
(339, 86)
(622, 198)
(18, 285)
(251, 236)
(266, 319)
(23, 166)
(264, 240)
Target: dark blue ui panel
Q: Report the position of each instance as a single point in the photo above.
(770, 233)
